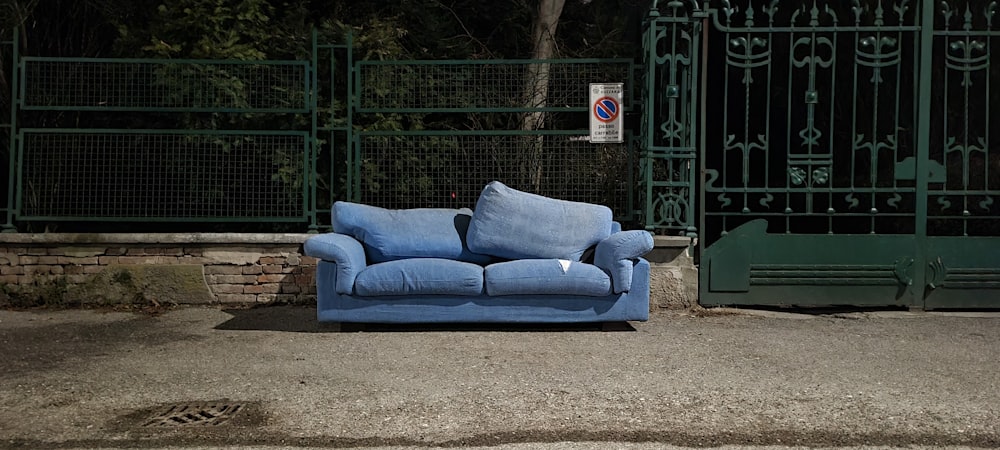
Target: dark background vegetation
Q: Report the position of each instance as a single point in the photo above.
(281, 30)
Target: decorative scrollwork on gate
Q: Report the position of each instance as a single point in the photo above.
(668, 140)
(963, 58)
(964, 86)
(748, 59)
(672, 208)
(884, 53)
(824, 134)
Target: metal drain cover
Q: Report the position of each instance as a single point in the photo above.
(193, 414)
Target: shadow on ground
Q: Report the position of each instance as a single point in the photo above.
(302, 319)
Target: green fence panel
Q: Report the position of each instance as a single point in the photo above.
(162, 175)
(192, 171)
(531, 139)
(214, 160)
(485, 85)
(87, 84)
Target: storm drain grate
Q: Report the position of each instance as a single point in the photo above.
(193, 414)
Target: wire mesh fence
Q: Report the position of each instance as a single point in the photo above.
(411, 170)
(482, 85)
(194, 167)
(157, 175)
(445, 167)
(161, 166)
(165, 85)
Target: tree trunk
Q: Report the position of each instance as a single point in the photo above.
(537, 84)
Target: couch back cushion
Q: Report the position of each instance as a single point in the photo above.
(393, 234)
(512, 224)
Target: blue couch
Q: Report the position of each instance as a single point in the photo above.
(519, 257)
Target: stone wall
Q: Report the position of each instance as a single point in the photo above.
(673, 277)
(162, 268)
(185, 268)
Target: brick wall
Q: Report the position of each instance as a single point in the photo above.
(277, 275)
(236, 268)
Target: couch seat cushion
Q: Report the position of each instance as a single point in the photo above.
(546, 276)
(517, 225)
(431, 276)
(391, 234)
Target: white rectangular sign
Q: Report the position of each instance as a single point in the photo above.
(606, 123)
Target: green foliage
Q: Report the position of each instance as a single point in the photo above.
(406, 172)
(204, 29)
(601, 29)
(59, 27)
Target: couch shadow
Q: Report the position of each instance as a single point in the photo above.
(302, 319)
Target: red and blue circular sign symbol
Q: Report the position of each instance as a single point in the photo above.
(606, 109)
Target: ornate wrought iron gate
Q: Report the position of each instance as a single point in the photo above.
(847, 149)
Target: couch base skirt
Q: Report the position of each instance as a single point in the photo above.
(334, 307)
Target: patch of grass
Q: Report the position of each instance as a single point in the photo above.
(123, 277)
(46, 292)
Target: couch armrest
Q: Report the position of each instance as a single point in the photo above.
(618, 253)
(344, 251)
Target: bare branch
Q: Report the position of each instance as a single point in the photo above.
(468, 33)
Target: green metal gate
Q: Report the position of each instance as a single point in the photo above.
(847, 156)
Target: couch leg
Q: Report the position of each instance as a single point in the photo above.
(352, 327)
(616, 326)
(341, 327)
(330, 327)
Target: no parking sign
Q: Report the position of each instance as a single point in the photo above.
(606, 113)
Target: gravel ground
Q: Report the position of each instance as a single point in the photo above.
(93, 379)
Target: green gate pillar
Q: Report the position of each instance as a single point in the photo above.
(671, 47)
(923, 149)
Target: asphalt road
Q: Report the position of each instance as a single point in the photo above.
(98, 379)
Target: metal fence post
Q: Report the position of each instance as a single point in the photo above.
(313, 147)
(923, 129)
(354, 152)
(9, 227)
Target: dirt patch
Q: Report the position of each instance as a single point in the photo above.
(51, 345)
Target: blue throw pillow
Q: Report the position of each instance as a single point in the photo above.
(516, 225)
(393, 234)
